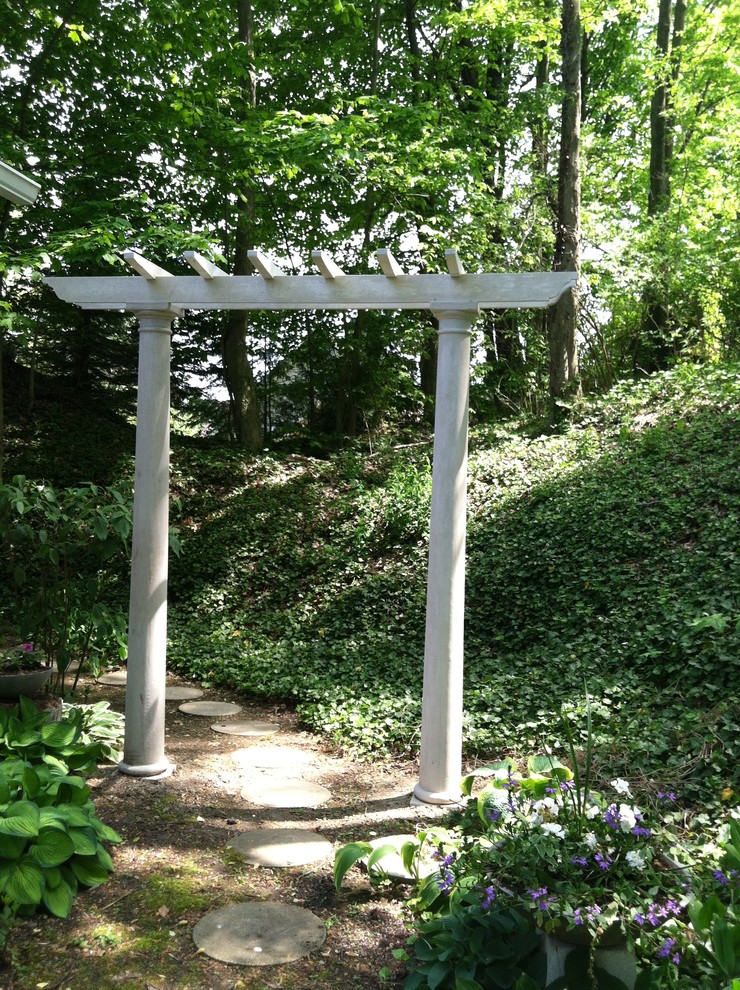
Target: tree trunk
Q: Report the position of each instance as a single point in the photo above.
(245, 412)
(655, 348)
(563, 316)
(428, 370)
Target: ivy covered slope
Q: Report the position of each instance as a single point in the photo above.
(607, 554)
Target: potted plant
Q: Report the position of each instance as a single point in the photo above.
(24, 670)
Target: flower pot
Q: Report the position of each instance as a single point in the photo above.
(23, 682)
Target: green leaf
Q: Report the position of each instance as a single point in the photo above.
(59, 734)
(13, 846)
(502, 767)
(52, 847)
(58, 900)
(88, 870)
(379, 853)
(437, 975)
(723, 944)
(346, 857)
(84, 840)
(21, 818)
(701, 914)
(26, 883)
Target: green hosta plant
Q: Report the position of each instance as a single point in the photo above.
(51, 841)
(66, 744)
(100, 727)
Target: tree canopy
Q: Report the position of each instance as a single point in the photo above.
(350, 126)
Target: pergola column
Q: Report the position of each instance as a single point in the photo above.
(143, 751)
(440, 766)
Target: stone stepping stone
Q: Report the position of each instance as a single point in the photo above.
(177, 693)
(247, 728)
(281, 847)
(210, 708)
(116, 677)
(286, 794)
(392, 864)
(271, 757)
(259, 934)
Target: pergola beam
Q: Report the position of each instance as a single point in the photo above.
(391, 268)
(272, 291)
(454, 265)
(147, 269)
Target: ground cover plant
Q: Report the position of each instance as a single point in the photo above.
(607, 551)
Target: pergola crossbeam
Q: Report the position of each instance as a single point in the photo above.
(391, 268)
(454, 265)
(147, 269)
(267, 268)
(326, 265)
(205, 268)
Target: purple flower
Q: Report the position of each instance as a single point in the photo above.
(541, 899)
(494, 815)
(666, 950)
(639, 919)
(603, 860)
(443, 860)
(487, 901)
(639, 830)
(721, 878)
(447, 882)
(27, 647)
(583, 915)
(611, 817)
(579, 860)
(566, 785)
(666, 796)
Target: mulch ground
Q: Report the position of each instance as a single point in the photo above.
(134, 932)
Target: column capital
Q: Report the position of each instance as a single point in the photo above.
(155, 320)
(454, 320)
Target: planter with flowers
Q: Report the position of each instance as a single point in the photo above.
(24, 671)
(598, 876)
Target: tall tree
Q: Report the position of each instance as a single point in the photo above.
(245, 410)
(563, 317)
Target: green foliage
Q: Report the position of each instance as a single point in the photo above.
(475, 949)
(101, 727)
(76, 743)
(63, 556)
(52, 841)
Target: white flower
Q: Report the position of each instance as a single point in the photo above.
(590, 840)
(621, 787)
(635, 859)
(627, 818)
(593, 811)
(554, 829)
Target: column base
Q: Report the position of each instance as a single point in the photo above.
(158, 770)
(422, 796)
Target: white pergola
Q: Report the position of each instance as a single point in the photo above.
(157, 297)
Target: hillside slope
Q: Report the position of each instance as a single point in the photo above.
(603, 557)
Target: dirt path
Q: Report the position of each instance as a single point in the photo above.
(134, 932)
